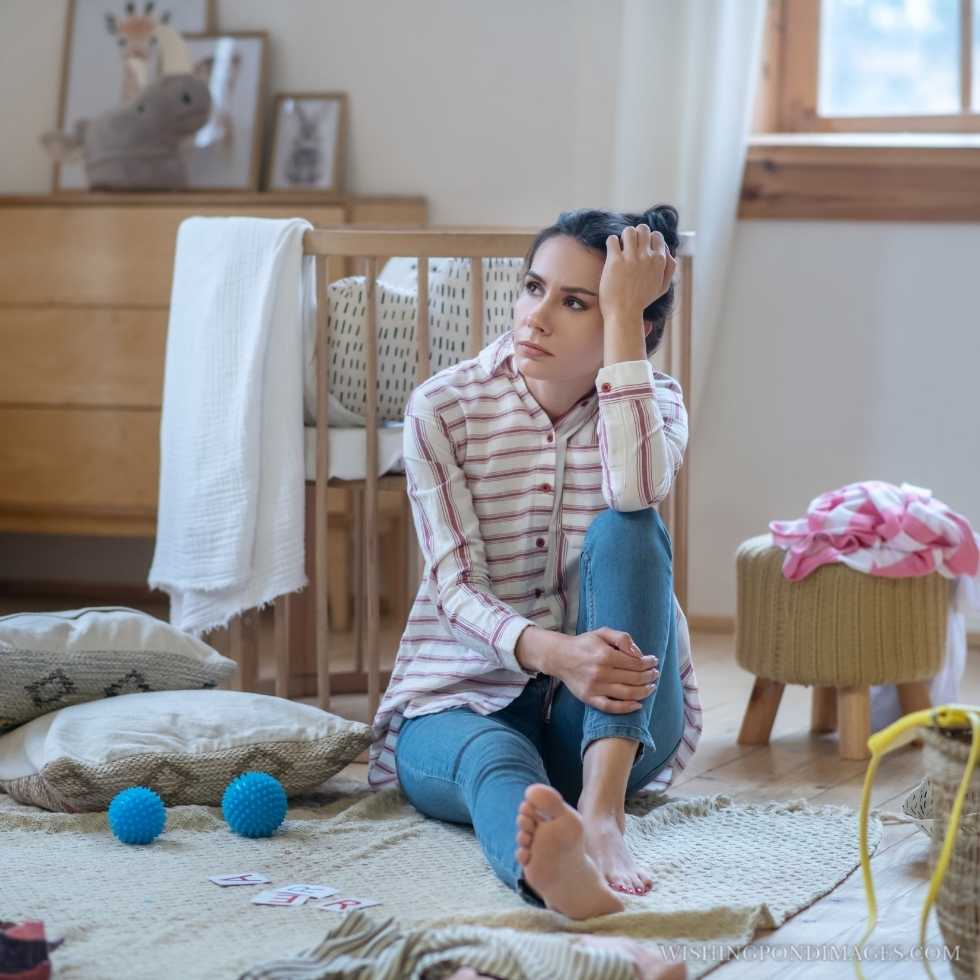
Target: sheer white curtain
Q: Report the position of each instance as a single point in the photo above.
(687, 76)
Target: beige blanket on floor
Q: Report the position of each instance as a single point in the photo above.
(722, 870)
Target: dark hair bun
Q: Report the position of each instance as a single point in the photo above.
(663, 218)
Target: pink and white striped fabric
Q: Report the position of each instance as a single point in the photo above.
(501, 500)
(881, 529)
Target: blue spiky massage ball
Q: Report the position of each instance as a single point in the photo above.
(254, 804)
(137, 815)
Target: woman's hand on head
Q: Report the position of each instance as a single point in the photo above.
(605, 668)
(637, 271)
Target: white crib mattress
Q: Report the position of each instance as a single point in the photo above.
(348, 452)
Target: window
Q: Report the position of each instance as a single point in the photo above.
(867, 109)
(880, 66)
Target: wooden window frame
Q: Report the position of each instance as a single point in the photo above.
(802, 165)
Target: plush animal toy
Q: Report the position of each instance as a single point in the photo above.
(137, 147)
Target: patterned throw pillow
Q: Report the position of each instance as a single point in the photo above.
(186, 745)
(449, 324)
(49, 660)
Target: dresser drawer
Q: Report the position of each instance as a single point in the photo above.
(90, 464)
(64, 355)
(120, 255)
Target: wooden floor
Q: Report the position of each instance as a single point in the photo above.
(794, 765)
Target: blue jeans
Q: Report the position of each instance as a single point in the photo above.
(467, 768)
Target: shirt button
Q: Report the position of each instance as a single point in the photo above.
(606, 386)
(550, 437)
(538, 593)
(540, 542)
(546, 487)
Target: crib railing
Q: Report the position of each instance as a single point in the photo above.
(363, 249)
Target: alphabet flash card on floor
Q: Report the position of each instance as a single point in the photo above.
(249, 878)
(347, 903)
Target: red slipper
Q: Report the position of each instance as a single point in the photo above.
(24, 951)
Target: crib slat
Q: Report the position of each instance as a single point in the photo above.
(321, 605)
(423, 373)
(371, 598)
(423, 369)
(668, 513)
(476, 306)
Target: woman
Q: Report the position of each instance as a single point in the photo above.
(540, 678)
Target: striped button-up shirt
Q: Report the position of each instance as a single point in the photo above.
(501, 499)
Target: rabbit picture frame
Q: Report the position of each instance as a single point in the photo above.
(309, 142)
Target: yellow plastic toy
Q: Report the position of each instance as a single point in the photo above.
(901, 732)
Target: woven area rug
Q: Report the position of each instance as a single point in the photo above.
(722, 870)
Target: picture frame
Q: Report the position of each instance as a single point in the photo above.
(106, 51)
(309, 142)
(225, 153)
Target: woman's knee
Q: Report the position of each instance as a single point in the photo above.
(618, 534)
(499, 753)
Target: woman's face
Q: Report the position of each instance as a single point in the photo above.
(558, 311)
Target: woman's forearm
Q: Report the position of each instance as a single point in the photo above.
(537, 649)
(623, 339)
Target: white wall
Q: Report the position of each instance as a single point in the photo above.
(847, 350)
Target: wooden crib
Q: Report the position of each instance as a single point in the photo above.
(337, 250)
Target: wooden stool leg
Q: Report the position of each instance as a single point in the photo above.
(760, 712)
(823, 710)
(854, 713)
(914, 696)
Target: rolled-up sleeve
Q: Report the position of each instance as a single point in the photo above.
(642, 434)
(449, 535)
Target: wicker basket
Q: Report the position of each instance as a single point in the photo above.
(958, 900)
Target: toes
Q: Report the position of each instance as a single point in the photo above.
(523, 856)
(524, 839)
(546, 800)
(630, 885)
(525, 823)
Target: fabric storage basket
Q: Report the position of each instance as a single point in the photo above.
(958, 900)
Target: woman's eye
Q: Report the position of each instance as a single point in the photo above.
(532, 286)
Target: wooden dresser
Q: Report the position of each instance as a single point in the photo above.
(84, 291)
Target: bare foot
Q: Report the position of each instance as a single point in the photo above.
(551, 849)
(605, 845)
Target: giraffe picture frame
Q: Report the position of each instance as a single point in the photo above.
(110, 51)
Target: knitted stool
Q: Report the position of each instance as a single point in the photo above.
(840, 631)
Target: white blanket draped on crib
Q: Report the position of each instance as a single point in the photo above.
(230, 517)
